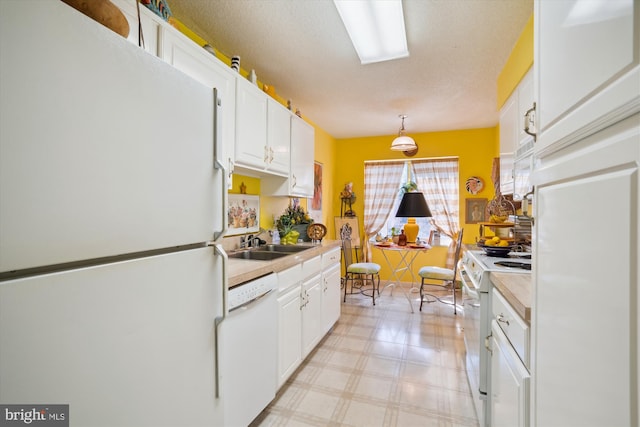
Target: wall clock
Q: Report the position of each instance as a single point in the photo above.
(474, 185)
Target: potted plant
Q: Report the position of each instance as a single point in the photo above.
(292, 225)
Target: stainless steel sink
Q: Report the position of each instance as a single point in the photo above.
(281, 248)
(258, 255)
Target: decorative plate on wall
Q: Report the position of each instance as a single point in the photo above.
(474, 185)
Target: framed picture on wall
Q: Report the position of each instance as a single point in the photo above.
(243, 215)
(315, 203)
(475, 210)
(349, 228)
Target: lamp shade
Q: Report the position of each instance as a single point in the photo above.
(403, 143)
(413, 205)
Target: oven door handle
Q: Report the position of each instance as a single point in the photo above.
(469, 288)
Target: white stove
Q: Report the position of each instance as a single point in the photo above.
(475, 269)
(478, 265)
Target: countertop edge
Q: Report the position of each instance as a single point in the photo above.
(516, 289)
(240, 271)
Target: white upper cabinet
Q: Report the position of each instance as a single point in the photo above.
(278, 136)
(514, 141)
(263, 137)
(302, 156)
(524, 140)
(508, 135)
(150, 24)
(600, 84)
(179, 51)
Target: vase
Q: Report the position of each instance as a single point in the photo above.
(302, 229)
(411, 229)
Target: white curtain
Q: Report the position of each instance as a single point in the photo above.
(438, 180)
(382, 181)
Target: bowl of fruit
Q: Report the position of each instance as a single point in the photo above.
(497, 247)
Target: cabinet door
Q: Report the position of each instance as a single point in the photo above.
(508, 137)
(330, 297)
(588, 343)
(278, 136)
(587, 72)
(509, 384)
(197, 63)
(289, 334)
(251, 126)
(149, 21)
(311, 314)
(524, 141)
(302, 156)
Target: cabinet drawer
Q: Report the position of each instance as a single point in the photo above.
(330, 258)
(514, 327)
(289, 277)
(311, 266)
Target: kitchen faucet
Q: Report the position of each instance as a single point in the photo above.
(250, 240)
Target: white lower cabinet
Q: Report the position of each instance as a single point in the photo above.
(509, 386)
(509, 383)
(331, 274)
(308, 306)
(289, 333)
(311, 313)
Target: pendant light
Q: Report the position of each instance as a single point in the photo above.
(402, 141)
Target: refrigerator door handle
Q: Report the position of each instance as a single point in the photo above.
(219, 319)
(218, 163)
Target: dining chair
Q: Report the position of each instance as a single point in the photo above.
(445, 276)
(359, 274)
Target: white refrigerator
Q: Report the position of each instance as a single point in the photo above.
(111, 202)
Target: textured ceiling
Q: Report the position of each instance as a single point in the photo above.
(457, 49)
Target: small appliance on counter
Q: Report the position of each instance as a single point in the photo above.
(522, 229)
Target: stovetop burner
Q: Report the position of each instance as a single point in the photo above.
(514, 264)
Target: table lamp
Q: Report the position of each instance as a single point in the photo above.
(412, 206)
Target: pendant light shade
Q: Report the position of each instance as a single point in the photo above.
(403, 142)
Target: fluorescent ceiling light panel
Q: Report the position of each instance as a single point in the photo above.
(376, 28)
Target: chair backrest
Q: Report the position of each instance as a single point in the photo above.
(456, 258)
(346, 252)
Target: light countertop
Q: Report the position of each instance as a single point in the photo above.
(241, 270)
(516, 289)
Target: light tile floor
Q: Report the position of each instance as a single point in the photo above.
(381, 366)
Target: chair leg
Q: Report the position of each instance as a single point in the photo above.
(373, 288)
(346, 283)
(421, 293)
(455, 305)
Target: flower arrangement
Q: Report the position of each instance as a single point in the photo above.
(292, 216)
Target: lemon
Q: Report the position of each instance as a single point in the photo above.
(495, 239)
(503, 243)
(489, 243)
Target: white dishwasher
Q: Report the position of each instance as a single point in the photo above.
(248, 343)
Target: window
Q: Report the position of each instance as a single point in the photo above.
(436, 178)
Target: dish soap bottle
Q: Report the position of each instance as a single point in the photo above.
(402, 239)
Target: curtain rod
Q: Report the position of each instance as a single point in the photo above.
(411, 160)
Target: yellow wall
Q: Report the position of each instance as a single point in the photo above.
(476, 149)
(517, 64)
